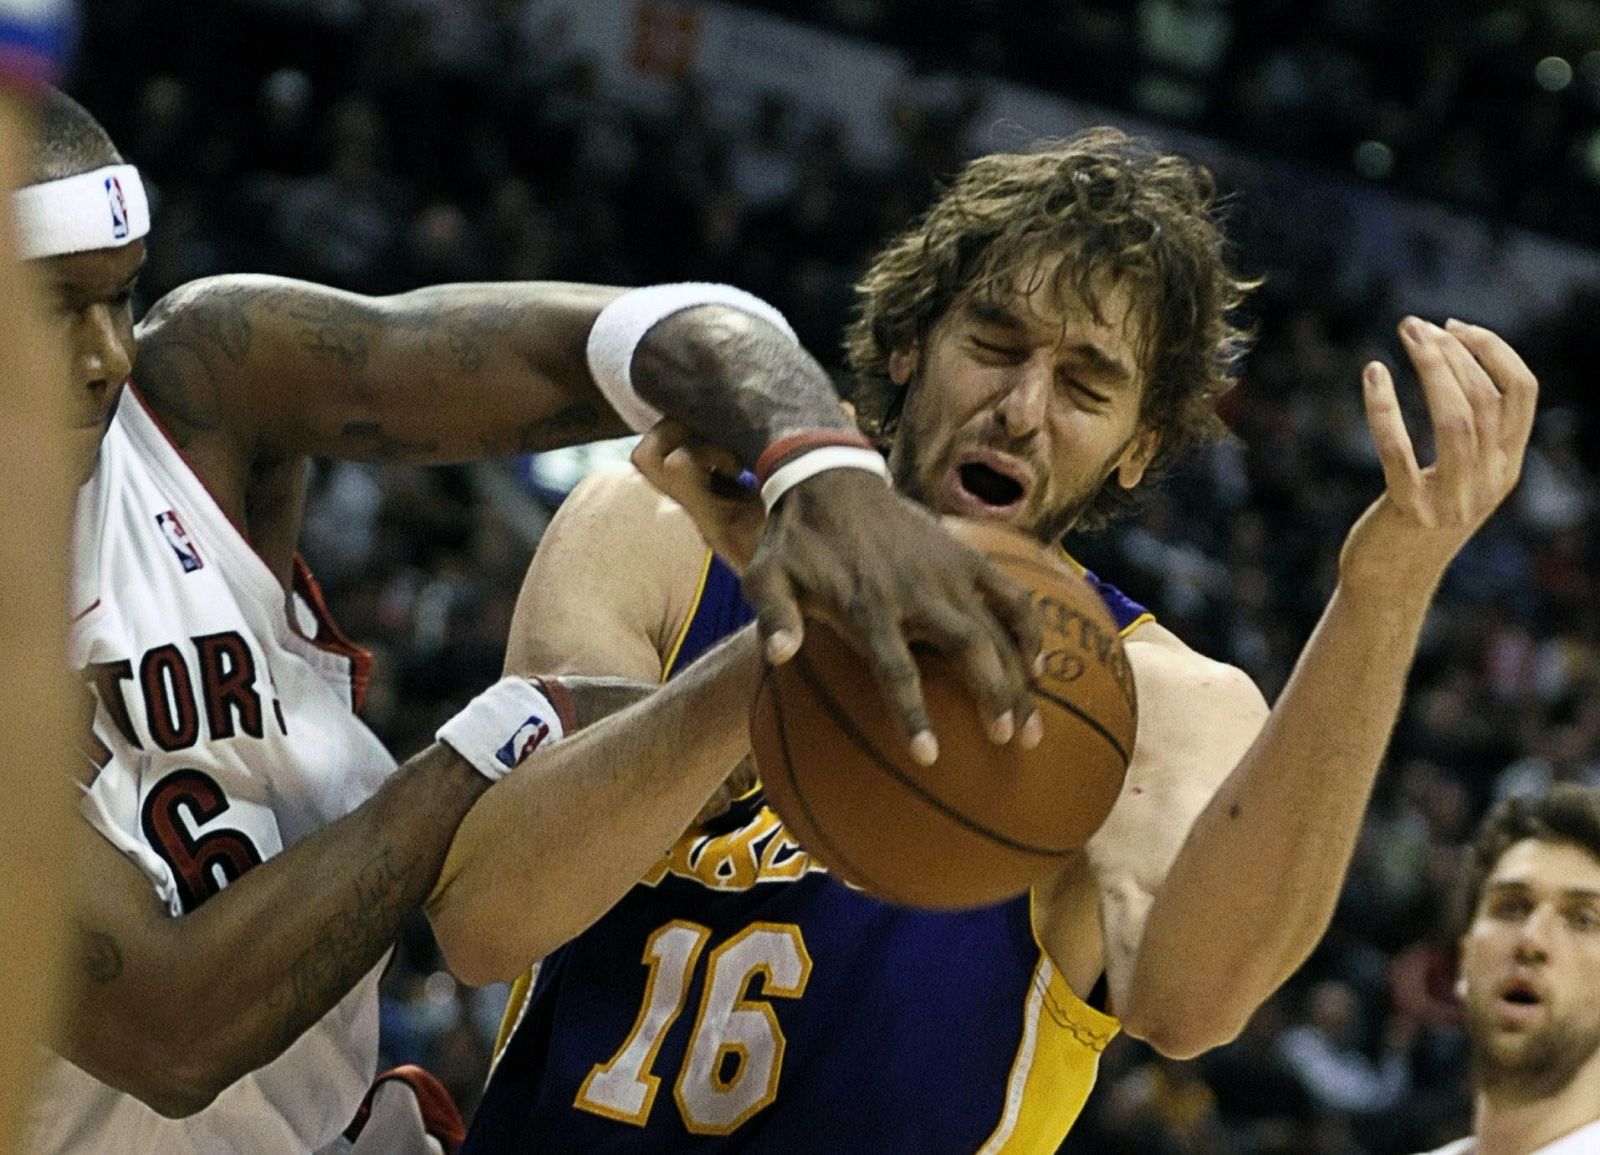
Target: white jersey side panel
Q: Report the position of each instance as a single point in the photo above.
(228, 735)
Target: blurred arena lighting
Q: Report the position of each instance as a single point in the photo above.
(1589, 64)
(1553, 73)
(1591, 157)
(551, 476)
(1373, 159)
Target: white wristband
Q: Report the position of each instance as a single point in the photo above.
(815, 461)
(622, 324)
(502, 726)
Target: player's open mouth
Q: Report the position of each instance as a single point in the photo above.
(989, 485)
(1519, 999)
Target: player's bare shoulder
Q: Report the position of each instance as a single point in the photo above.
(615, 576)
(615, 513)
(1197, 716)
(193, 347)
(1169, 673)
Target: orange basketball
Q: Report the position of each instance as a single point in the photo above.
(984, 822)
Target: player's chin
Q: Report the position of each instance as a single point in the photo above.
(83, 447)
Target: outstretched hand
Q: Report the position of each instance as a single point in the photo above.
(1481, 398)
(844, 548)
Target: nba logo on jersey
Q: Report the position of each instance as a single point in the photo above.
(119, 213)
(525, 741)
(178, 538)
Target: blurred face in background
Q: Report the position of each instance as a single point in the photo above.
(1530, 969)
(89, 304)
(1020, 407)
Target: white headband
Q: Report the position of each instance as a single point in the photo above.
(105, 209)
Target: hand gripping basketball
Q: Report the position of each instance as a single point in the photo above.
(986, 821)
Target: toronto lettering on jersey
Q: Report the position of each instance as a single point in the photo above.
(166, 684)
(759, 851)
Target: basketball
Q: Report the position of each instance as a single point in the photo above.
(984, 822)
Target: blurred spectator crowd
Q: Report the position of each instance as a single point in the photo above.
(385, 144)
(1459, 100)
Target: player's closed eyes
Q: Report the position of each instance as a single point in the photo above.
(1088, 394)
(1510, 907)
(1584, 918)
(1006, 354)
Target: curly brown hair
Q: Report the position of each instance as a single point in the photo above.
(1567, 813)
(1116, 210)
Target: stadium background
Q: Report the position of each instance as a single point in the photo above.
(1381, 158)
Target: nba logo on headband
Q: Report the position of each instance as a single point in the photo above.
(119, 208)
(103, 209)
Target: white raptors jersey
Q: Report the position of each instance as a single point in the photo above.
(228, 734)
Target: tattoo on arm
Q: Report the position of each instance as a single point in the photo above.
(371, 438)
(331, 327)
(738, 383)
(387, 889)
(580, 421)
(102, 958)
(191, 341)
(464, 334)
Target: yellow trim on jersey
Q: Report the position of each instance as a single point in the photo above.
(516, 1004)
(1057, 1060)
(1082, 569)
(672, 656)
(688, 618)
(1147, 616)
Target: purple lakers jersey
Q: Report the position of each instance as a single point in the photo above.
(740, 998)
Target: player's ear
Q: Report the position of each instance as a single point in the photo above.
(903, 363)
(1136, 457)
(849, 411)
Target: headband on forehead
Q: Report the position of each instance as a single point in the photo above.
(104, 209)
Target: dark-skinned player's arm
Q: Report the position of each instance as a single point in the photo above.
(273, 369)
(173, 1010)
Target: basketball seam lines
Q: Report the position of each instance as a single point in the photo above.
(1087, 719)
(860, 877)
(855, 734)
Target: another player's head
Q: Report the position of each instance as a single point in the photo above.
(1530, 944)
(1058, 320)
(82, 219)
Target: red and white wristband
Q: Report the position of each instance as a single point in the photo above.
(800, 456)
(509, 721)
(621, 325)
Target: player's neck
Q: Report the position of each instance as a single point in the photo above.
(1509, 1124)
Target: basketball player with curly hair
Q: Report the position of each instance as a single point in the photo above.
(249, 849)
(1054, 331)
